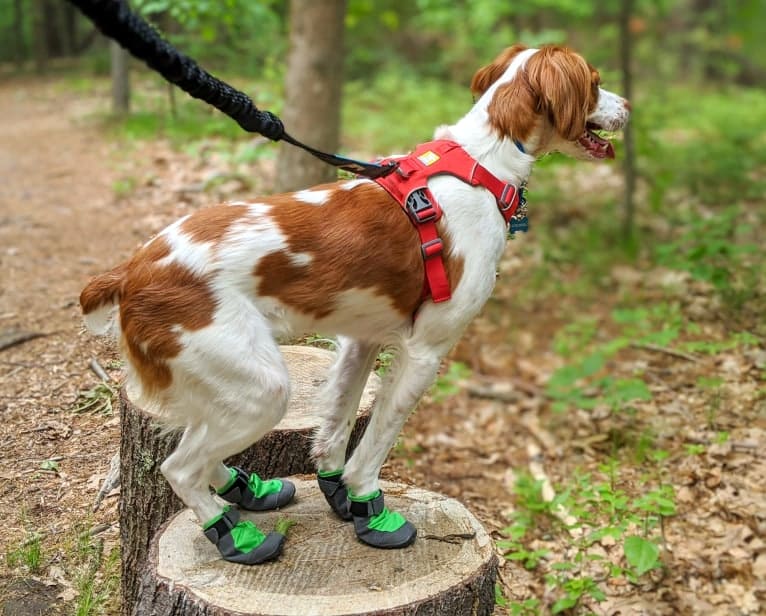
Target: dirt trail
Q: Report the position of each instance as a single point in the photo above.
(56, 203)
(59, 224)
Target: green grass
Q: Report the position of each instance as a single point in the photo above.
(28, 554)
(95, 574)
(602, 508)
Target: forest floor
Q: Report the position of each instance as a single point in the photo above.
(683, 467)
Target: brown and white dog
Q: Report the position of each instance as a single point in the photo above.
(199, 307)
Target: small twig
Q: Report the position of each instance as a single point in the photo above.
(531, 422)
(111, 481)
(491, 393)
(98, 370)
(11, 338)
(546, 488)
(660, 349)
(98, 529)
(452, 537)
(738, 445)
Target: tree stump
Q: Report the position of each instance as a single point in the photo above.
(146, 499)
(324, 570)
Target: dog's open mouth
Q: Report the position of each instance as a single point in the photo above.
(596, 146)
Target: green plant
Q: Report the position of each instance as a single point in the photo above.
(642, 555)
(601, 509)
(96, 576)
(284, 525)
(98, 399)
(716, 249)
(28, 553)
(574, 588)
(383, 361)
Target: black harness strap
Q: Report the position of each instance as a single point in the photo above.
(115, 19)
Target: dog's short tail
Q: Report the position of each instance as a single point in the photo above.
(99, 299)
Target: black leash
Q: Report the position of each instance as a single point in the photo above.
(115, 19)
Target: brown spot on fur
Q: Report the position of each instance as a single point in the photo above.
(103, 289)
(158, 302)
(210, 224)
(359, 238)
(487, 75)
(106, 288)
(557, 85)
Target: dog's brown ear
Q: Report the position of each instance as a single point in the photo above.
(562, 81)
(487, 75)
(515, 108)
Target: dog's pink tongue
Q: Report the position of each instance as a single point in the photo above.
(598, 147)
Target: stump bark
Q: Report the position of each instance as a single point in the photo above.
(324, 570)
(146, 499)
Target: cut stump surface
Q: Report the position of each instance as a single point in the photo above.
(324, 570)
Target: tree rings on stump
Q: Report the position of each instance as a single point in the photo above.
(146, 500)
(324, 570)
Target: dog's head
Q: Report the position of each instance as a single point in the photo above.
(549, 99)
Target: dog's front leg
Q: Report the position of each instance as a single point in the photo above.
(338, 404)
(412, 372)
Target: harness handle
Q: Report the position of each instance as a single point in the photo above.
(115, 19)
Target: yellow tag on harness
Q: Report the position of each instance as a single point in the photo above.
(428, 158)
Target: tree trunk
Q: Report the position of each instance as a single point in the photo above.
(19, 48)
(120, 64)
(39, 42)
(629, 162)
(312, 91)
(146, 500)
(324, 570)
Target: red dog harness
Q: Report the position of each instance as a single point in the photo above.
(409, 186)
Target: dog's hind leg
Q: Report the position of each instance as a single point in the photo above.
(234, 387)
(338, 404)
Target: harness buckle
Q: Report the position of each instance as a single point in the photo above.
(432, 249)
(504, 202)
(419, 207)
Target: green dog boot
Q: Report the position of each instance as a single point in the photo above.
(335, 493)
(242, 542)
(254, 494)
(377, 526)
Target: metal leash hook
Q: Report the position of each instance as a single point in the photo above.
(115, 20)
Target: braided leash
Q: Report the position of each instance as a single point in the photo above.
(115, 19)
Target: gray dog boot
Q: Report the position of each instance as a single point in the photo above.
(242, 542)
(255, 494)
(335, 493)
(375, 525)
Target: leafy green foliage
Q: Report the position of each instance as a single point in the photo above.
(602, 509)
(229, 32)
(712, 250)
(643, 555)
